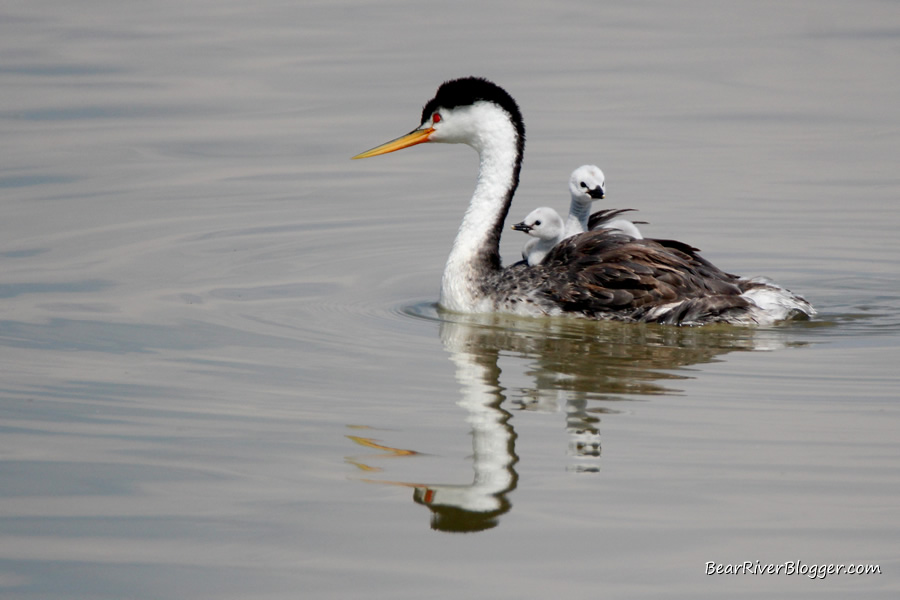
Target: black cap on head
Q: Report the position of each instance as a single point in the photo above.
(469, 90)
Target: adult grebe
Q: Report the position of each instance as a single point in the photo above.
(598, 274)
(586, 184)
(546, 229)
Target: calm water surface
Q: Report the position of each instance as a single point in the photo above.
(224, 375)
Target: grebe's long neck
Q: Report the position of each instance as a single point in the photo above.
(475, 255)
(577, 220)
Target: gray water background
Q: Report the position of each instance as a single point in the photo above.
(224, 375)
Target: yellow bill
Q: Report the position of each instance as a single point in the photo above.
(416, 136)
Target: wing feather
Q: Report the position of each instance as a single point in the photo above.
(604, 271)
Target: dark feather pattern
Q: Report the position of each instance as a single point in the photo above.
(605, 274)
(606, 215)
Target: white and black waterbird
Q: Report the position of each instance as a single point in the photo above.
(587, 183)
(546, 229)
(599, 274)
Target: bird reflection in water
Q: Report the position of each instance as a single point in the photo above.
(573, 364)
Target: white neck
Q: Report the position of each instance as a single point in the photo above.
(476, 250)
(578, 217)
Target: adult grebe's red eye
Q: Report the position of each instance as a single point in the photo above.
(436, 118)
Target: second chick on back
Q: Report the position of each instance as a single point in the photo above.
(545, 226)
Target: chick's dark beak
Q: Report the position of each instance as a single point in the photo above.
(596, 193)
(522, 227)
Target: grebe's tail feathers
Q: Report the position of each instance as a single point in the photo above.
(773, 303)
